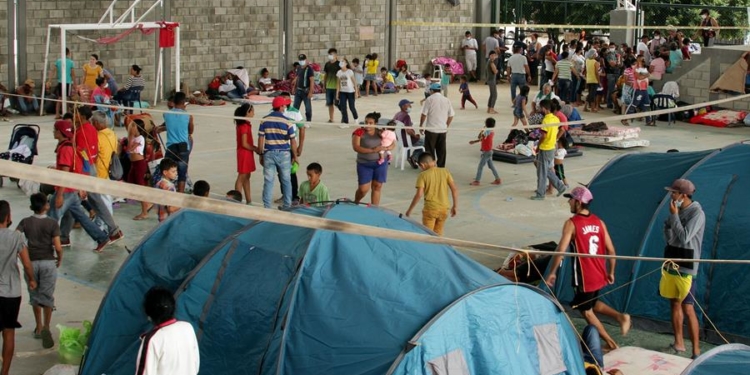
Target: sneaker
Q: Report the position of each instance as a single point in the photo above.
(116, 237)
(101, 246)
(562, 191)
(65, 243)
(279, 200)
(537, 198)
(47, 341)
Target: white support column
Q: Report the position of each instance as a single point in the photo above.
(44, 72)
(64, 71)
(159, 78)
(177, 58)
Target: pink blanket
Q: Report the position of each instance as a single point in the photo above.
(456, 67)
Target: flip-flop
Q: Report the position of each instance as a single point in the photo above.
(47, 341)
(674, 350)
(36, 335)
(139, 218)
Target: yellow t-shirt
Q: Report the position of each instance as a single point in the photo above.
(107, 144)
(90, 75)
(372, 66)
(435, 183)
(389, 78)
(550, 140)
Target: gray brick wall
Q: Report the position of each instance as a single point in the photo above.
(222, 34)
(419, 44)
(694, 85)
(4, 42)
(319, 25)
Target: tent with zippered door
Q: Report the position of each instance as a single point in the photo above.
(269, 299)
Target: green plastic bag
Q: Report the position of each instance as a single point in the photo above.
(72, 343)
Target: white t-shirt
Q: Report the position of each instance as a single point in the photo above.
(141, 144)
(172, 350)
(560, 153)
(646, 54)
(438, 109)
(471, 42)
(517, 63)
(345, 80)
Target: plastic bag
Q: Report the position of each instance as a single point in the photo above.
(73, 343)
(62, 370)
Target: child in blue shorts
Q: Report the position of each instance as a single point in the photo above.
(519, 107)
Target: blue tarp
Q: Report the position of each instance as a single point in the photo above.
(275, 299)
(629, 196)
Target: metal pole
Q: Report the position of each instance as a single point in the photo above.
(44, 71)
(159, 75)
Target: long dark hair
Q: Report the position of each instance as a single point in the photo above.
(375, 116)
(242, 111)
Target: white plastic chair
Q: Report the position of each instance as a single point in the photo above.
(403, 152)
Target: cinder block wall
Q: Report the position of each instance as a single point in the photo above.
(4, 40)
(694, 85)
(222, 34)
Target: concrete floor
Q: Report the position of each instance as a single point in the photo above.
(492, 214)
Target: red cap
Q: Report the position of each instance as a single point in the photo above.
(280, 101)
(65, 127)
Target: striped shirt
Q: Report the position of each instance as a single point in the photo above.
(134, 81)
(563, 69)
(277, 135)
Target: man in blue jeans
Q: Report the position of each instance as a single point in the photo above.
(304, 86)
(68, 200)
(277, 139)
(179, 127)
(614, 63)
(518, 71)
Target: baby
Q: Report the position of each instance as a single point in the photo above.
(388, 138)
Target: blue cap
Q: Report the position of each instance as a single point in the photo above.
(404, 102)
(435, 87)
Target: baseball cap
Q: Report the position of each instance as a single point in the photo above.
(681, 186)
(65, 127)
(404, 102)
(302, 57)
(580, 194)
(280, 101)
(435, 87)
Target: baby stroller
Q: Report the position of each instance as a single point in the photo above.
(22, 146)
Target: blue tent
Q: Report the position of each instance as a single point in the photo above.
(729, 359)
(276, 299)
(629, 196)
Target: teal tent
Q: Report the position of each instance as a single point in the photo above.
(629, 196)
(269, 299)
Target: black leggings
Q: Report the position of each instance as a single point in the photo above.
(560, 171)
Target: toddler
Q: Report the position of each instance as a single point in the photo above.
(465, 93)
(388, 137)
(401, 79)
(519, 107)
(359, 73)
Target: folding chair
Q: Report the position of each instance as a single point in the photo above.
(403, 151)
(663, 101)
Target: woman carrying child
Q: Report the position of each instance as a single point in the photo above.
(371, 175)
(486, 137)
(245, 149)
(387, 142)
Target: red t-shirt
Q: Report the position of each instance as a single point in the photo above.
(589, 274)
(487, 141)
(87, 140)
(66, 157)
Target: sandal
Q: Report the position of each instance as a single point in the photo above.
(674, 350)
(140, 217)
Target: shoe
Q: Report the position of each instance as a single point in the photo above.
(474, 183)
(412, 163)
(116, 237)
(279, 200)
(36, 335)
(537, 198)
(65, 243)
(497, 182)
(47, 341)
(561, 192)
(101, 246)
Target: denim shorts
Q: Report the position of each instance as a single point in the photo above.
(366, 172)
(517, 112)
(182, 159)
(330, 96)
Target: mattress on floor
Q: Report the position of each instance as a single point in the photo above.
(634, 360)
(613, 134)
(510, 157)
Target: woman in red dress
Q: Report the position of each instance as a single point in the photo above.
(245, 149)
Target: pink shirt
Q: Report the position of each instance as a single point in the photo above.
(659, 68)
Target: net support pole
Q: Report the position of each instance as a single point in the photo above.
(44, 71)
(159, 75)
(64, 71)
(177, 58)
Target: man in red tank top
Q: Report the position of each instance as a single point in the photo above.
(587, 234)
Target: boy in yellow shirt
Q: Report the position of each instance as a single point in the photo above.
(546, 155)
(433, 184)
